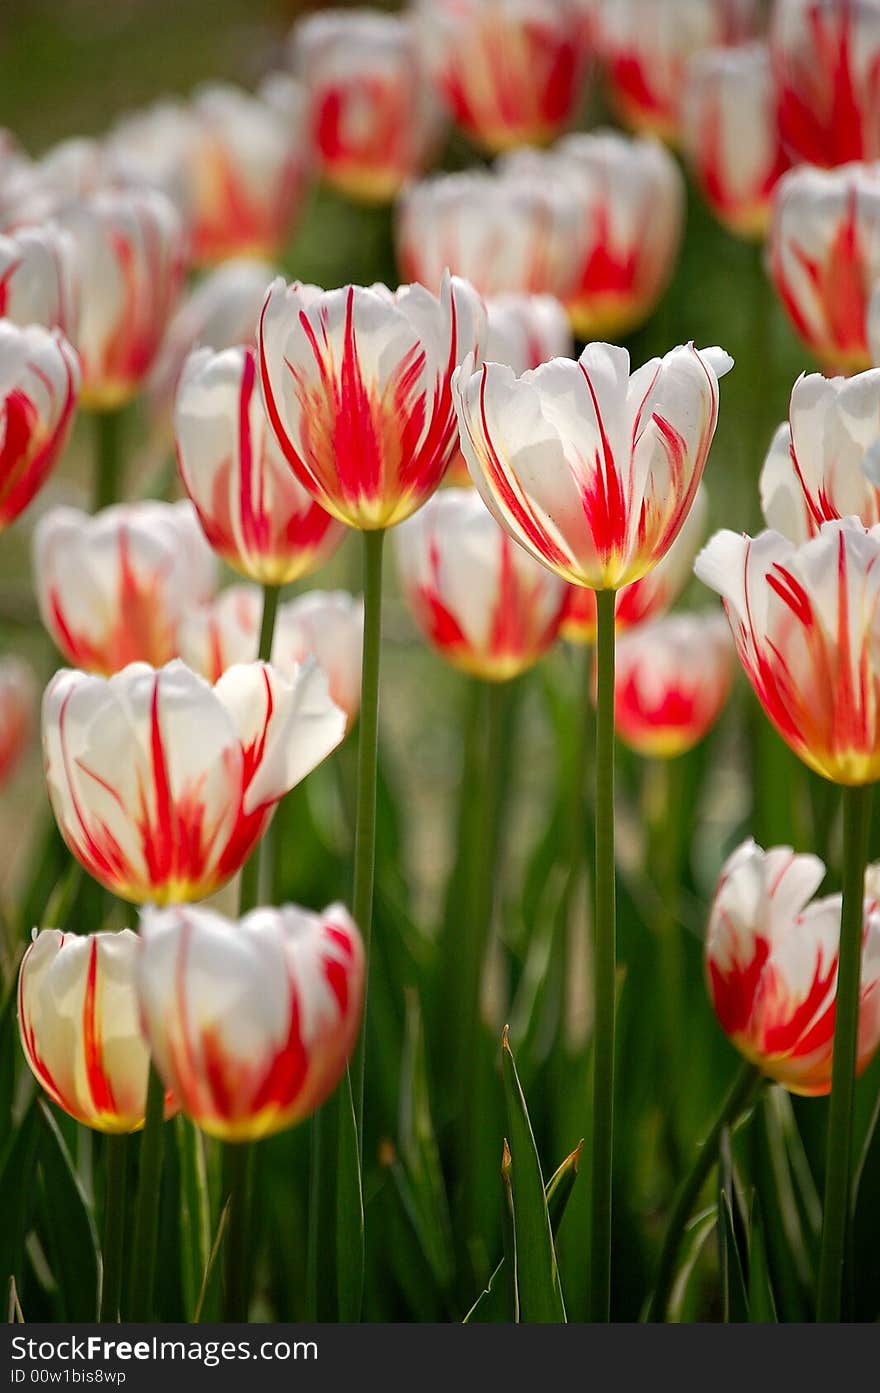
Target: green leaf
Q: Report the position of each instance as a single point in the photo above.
(686, 1291)
(734, 1293)
(70, 1225)
(790, 1212)
(762, 1302)
(420, 1154)
(209, 1294)
(494, 1304)
(195, 1210)
(349, 1211)
(537, 1276)
(17, 1188)
(10, 1054)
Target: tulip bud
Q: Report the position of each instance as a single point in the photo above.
(477, 597)
(824, 258)
(162, 785)
(39, 386)
(254, 511)
(113, 587)
(80, 1028)
(250, 1023)
(356, 384)
(130, 254)
(771, 966)
(17, 702)
(673, 678)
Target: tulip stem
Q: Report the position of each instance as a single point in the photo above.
(108, 441)
(368, 756)
(238, 1163)
(838, 1167)
(249, 884)
(605, 966)
(146, 1217)
(738, 1096)
(116, 1150)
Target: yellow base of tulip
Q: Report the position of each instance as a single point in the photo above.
(107, 396)
(606, 317)
(375, 187)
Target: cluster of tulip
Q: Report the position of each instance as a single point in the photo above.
(572, 508)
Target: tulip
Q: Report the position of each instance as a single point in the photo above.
(730, 135)
(803, 618)
(251, 1023)
(816, 468)
(673, 679)
(507, 231)
(373, 117)
(647, 44)
(592, 470)
(154, 148)
(162, 785)
(824, 257)
(17, 698)
(510, 72)
(479, 599)
(13, 158)
(39, 386)
(771, 966)
(249, 172)
(325, 625)
(356, 384)
(80, 1030)
(826, 62)
(38, 282)
(648, 598)
(631, 200)
(38, 192)
(113, 587)
(254, 511)
(130, 256)
(221, 312)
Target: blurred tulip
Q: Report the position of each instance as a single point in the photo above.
(13, 158)
(18, 691)
(631, 198)
(815, 469)
(38, 280)
(824, 257)
(647, 44)
(80, 1026)
(37, 192)
(649, 597)
(153, 148)
(221, 312)
(373, 116)
(505, 230)
(250, 168)
(477, 597)
(113, 587)
(254, 511)
(251, 1023)
(771, 966)
(826, 61)
(357, 386)
(730, 135)
(673, 679)
(325, 625)
(592, 470)
(162, 784)
(39, 385)
(805, 620)
(510, 71)
(130, 253)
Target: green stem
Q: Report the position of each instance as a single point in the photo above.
(313, 1233)
(116, 1150)
(238, 1163)
(665, 844)
(838, 1168)
(740, 1093)
(249, 886)
(605, 967)
(146, 1218)
(368, 756)
(108, 441)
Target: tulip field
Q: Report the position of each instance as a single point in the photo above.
(440, 662)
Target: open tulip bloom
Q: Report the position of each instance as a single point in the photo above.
(162, 784)
(250, 1023)
(771, 966)
(112, 587)
(80, 1026)
(39, 387)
